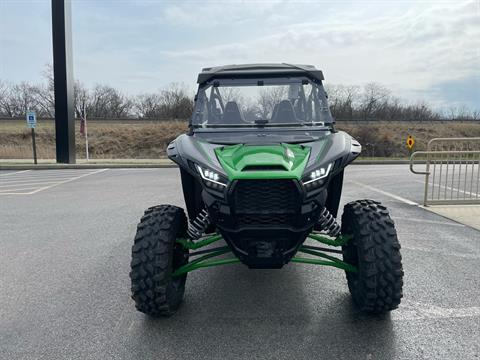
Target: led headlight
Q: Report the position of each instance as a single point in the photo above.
(317, 177)
(212, 179)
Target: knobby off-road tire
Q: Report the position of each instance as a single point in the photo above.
(377, 286)
(155, 256)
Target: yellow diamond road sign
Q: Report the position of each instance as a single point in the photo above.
(410, 142)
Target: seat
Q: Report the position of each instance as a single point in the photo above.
(274, 111)
(231, 114)
(284, 113)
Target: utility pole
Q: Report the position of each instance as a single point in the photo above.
(63, 81)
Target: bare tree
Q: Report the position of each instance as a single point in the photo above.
(171, 102)
(82, 100)
(44, 100)
(347, 102)
(5, 106)
(475, 115)
(268, 98)
(107, 102)
(44, 94)
(343, 100)
(176, 103)
(334, 97)
(17, 99)
(351, 96)
(374, 98)
(3, 89)
(231, 94)
(148, 106)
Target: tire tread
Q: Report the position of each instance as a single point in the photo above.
(154, 290)
(377, 287)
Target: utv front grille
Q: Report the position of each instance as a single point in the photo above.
(265, 202)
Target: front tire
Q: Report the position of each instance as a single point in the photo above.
(377, 285)
(155, 256)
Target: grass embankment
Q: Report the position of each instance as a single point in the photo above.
(148, 140)
(107, 140)
(388, 139)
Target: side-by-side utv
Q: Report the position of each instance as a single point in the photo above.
(262, 171)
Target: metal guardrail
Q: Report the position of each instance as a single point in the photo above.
(452, 173)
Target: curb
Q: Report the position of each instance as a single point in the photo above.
(384, 162)
(153, 166)
(84, 166)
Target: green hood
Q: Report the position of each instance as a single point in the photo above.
(283, 161)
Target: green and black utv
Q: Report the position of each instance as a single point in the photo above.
(262, 171)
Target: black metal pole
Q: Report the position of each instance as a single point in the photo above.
(63, 81)
(34, 147)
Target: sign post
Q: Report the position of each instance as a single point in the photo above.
(84, 132)
(31, 123)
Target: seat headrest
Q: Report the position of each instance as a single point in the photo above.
(231, 114)
(284, 113)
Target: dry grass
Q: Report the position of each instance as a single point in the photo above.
(388, 139)
(107, 140)
(148, 140)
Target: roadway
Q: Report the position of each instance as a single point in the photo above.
(65, 240)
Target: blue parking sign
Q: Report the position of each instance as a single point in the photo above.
(31, 119)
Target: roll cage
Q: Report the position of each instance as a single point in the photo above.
(308, 107)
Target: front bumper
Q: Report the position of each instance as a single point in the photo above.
(264, 221)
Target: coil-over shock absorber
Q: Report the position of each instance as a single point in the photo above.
(197, 226)
(328, 224)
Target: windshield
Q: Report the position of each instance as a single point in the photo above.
(261, 102)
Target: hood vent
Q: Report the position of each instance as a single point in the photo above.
(264, 168)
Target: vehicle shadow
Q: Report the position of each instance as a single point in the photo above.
(342, 330)
(234, 312)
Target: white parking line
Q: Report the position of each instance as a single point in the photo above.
(447, 188)
(15, 190)
(42, 183)
(66, 181)
(386, 193)
(42, 174)
(35, 184)
(440, 252)
(13, 173)
(428, 221)
(40, 180)
(410, 310)
(136, 169)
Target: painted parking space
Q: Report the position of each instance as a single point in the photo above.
(29, 182)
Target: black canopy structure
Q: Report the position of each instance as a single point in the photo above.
(256, 70)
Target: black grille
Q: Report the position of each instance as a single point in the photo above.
(265, 202)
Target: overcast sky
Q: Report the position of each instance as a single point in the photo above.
(421, 50)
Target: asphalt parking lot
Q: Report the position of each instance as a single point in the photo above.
(65, 242)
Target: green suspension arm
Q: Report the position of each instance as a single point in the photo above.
(203, 262)
(189, 244)
(338, 241)
(206, 260)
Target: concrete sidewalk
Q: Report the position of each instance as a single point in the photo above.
(464, 214)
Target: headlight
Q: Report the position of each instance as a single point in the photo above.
(212, 179)
(317, 177)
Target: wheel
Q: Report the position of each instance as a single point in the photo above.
(377, 285)
(155, 256)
